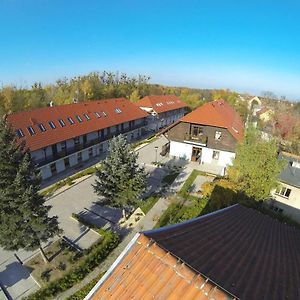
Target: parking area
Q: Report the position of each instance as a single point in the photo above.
(79, 199)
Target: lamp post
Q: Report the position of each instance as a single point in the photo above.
(156, 147)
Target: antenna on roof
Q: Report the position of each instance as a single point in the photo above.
(51, 103)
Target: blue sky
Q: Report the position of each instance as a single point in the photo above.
(244, 45)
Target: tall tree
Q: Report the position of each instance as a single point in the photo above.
(24, 220)
(256, 166)
(120, 181)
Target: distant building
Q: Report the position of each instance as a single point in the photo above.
(265, 114)
(207, 135)
(233, 253)
(163, 110)
(60, 137)
(286, 198)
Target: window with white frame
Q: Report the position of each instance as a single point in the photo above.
(218, 135)
(78, 118)
(87, 117)
(216, 155)
(52, 125)
(42, 127)
(70, 120)
(61, 122)
(283, 191)
(118, 110)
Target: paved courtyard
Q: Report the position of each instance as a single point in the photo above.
(79, 199)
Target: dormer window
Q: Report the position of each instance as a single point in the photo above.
(61, 122)
(87, 116)
(218, 135)
(20, 133)
(118, 110)
(42, 127)
(31, 130)
(78, 118)
(70, 120)
(52, 125)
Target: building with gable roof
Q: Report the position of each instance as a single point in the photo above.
(232, 253)
(163, 110)
(207, 135)
(60, 137)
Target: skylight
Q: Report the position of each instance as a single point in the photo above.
(30, 130)
(42, 128)
(87, 116)
(20, 133)
(61, 122)
(104, 114)
(97, 115)
(52, 125)
(78, 118)
(70, 120)
(118, 110)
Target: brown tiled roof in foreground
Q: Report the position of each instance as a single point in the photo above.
(161, 103)
(245, 252)
(219, 114)
(149, 272)
(106, 110)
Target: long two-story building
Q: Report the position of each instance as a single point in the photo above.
(163, 110)
(207, 135)
(63, 136)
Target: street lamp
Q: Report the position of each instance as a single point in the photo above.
(156, 147)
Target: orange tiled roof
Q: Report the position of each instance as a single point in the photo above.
(149, 272)
(161, 103)
(51, 136)
(219, 114)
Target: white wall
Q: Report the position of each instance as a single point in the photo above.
(45, 172)
(226, 158)
(181, 150)
(291, 205)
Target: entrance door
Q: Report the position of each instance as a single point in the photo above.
(196, 154)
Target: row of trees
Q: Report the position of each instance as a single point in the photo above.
(82, 88)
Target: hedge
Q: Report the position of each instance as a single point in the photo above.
(96, 254)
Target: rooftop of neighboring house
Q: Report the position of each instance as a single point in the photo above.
(161, 103)
(291, 172)
(263, 110)
(236, 252)
(219, 114)
(50, 125)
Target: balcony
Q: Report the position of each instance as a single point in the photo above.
(196, 139)
(78, 147)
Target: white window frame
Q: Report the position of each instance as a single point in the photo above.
(218, 135)
(282, 191)
(214, 154)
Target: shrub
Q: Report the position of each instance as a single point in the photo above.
(96, 254)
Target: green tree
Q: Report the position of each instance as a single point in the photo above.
(24, 220)
(120, 181)
(256, 167)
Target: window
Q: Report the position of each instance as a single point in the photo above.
(79, 156)
(78, 119)
(67, 162)
(197, 130)
(63, 145)
(70, 120)
(76, 141)
(118, 110)
(283, 191)
(42, 128)
(52, 125)
(216, 155)
(87, 116)
(30, 130)
(218, 135)
(19, 133)
(97, 115)
(53, 169)
(61, 122)
(104, 114)
(90, 152)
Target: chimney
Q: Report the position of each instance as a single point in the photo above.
(51, 104)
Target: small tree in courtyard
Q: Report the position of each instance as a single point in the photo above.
(120, 181)
(24, 220)
(256, 166)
